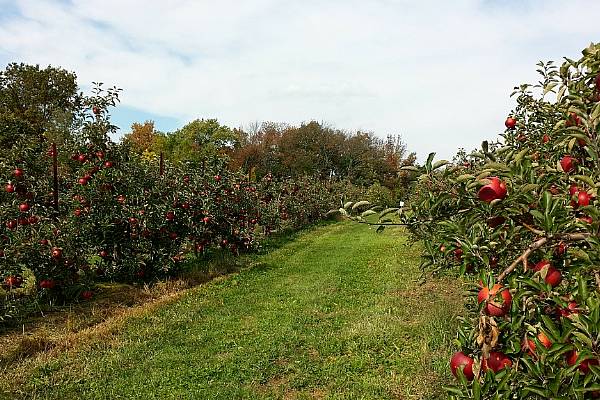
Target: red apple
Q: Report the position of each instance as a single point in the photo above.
(87, 294)
(170, 216)
(100, 154)
(553, 276)
(458, 254)
(567, 163)
(103, 253)
(24, 207)
(584, 366)
(560, 249)
(47, 283)
(463, 362)
(56, 253)
(13, 281)
(545, 138)
(573, 120)
(583, 199)
(83, 181)
(18, 173)
(173, 235)
(12, 224)
(10, 188)
(510, 123)
(587, 219)
(495, 189)
(498, 300)
(96, 110)
(496, 362)
(108, 164)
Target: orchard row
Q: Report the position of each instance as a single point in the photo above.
(117, 216)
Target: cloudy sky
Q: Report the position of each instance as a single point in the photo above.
(439, 73)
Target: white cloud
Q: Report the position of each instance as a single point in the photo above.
(437, 72)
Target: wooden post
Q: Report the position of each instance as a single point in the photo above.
(162, 164)
(55, 176)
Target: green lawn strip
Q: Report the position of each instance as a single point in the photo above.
(337, 313)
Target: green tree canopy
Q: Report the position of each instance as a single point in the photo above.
(36, 103)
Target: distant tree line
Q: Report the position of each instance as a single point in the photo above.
(284, 150)
(43, 105)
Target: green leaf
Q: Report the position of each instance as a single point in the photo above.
(439, 164)
(585, 179)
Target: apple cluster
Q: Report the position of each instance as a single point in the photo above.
(520, 219)
(109, 214)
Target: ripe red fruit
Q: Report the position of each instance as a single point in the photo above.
(560, 249)
(545, 138)
(24, 207)
(77, 212)
(96, 110)
(18, 173)
(173, 235)
(587, 219)
(81, 158)
(56, 253)
(103, 253)
(108, 164)
(170, 216)
(10, 188)
(44, 242)
(83, 181)
(12, 224)
(463, 362)
(121, 199)
(100, 155)
(571, 308)
(583, 199)
(47, 283)
(495, 189)
(185, 206)
(544, 340)
(87, 294)
(498, 300)
(206, 220)
(553, 276)
(458, 254)
(496, 361)
(567, 163)
(584, 366)
(13, 281)
(510, 123)
(573, 120)
(218, 178)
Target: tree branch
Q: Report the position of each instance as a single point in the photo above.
(523, 258)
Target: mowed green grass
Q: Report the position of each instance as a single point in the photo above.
(337, 313)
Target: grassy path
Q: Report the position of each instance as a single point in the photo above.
(336, 314)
